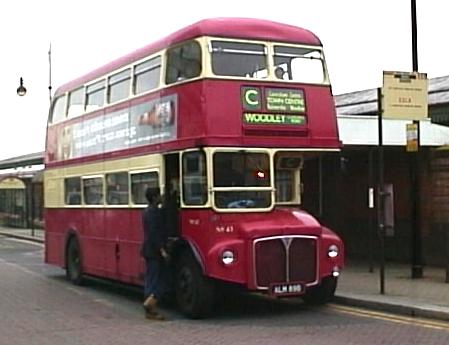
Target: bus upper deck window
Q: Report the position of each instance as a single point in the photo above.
(76, 102)
(58, 110)
(146, 75)
(183, 62)
(118, 86)
(300, 64)
(95, 95)
(239, 59)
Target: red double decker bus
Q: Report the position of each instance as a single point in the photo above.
(221, 115)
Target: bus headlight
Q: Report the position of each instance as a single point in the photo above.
(336, 272)
(227, 257)
(332, 251)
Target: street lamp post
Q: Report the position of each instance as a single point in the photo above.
(21, 91)
(417, 270)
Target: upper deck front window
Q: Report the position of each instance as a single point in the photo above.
(58, 110)
(238, 59)
(183, 62)
(299, 64)
(76, 102)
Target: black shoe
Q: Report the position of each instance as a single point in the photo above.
(153, 315)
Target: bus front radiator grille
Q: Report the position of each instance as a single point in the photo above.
(285, 259)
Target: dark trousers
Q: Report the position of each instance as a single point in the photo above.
(154, 278)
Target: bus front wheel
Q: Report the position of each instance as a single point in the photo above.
(74, 270)
(194, 292)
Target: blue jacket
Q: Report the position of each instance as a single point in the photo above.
(154, 232)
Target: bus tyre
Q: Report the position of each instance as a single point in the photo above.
(194, 292)
(322, 293)
(74, 270)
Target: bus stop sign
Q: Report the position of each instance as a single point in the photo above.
(404, 95)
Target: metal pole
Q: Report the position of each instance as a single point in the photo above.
(380, 193)
(417, 270)
(414, 37)
(49, 73)
(371, 228)
(32, 208)
(446, 231)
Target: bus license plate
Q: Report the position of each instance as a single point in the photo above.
(286, 289)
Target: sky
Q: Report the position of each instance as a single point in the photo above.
(361, 39)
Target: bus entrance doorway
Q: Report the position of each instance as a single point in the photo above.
(171, 193)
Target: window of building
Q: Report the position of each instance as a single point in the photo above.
(147, 75)
(95, 95)
(140, 182)
(76, 102)
(93, 190)
(183, 62)
(59, 108)
(72, 191)
(239, 59)
(119, 85)
(194, 180)
(117, 188)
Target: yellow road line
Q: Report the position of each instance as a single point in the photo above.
(414, 321)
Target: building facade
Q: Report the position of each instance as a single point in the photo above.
(346, 203)
(21, 191)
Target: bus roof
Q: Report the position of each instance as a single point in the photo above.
(243, 28)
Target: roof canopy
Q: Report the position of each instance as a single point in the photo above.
(363, 130)
(357, 118)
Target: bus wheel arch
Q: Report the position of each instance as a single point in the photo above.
(181, 248)
(73, 259)
(195, 293)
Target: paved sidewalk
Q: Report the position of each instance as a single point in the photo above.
(425, 297)
(35, 235)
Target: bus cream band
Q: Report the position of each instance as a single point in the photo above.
(54, 178)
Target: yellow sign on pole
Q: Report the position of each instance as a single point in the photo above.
(405, 95)
(412, 137)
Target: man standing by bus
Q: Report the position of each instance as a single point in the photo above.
(153, 251)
